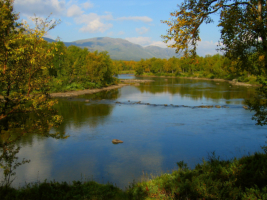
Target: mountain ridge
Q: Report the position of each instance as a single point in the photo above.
(121, 49)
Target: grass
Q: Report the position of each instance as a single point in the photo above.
(244, 178)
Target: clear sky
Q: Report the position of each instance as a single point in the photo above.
(137, 21)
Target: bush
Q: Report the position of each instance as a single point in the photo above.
(243, 178)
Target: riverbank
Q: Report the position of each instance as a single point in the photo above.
(92, 91)
(136, 81)
(87, 91)
(233, 82)
(243, 178)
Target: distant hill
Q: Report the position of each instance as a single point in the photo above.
(120, 49)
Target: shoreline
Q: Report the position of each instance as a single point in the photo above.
(136, 82)
(125, 82)
(207, 79)
(86, 91)
(92, 91)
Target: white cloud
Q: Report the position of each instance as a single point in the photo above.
(159, 44)
(40, 7)
(74, 11)
(110, 34)
(203, 48)
(94, 23)
(207, 47)
(147, 41)
(143, 41)
(121, 33)
(68, 23)
(136, 18)
(87, 5)
(95, 26)
(142, 30)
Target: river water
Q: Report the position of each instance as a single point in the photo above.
(162, 129)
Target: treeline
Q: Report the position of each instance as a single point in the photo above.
(216, 66)
(75, 68)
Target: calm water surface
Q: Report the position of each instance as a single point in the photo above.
(155, 136)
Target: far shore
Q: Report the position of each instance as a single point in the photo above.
(233, 82)
(130, 82)
(92, 91)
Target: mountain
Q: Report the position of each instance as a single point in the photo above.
(120, 49)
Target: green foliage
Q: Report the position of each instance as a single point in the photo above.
(54, 190)
(243, 178)
(216, 66)
(243, 35)
(213, 179)
(77, 69)
(259, 103)
(139, 70)
(24, 104)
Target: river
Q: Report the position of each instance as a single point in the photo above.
(167, 126)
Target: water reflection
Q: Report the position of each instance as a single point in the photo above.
(199, 90)
(155, 137)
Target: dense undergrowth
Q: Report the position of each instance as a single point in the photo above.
(243, 178)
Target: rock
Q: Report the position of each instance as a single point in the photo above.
(87, 100)
(165, 105)
(218, 106)
(245, 107)
(128, 100)
(137, 84)
(235, 80)
(116, 141)
(202, 106)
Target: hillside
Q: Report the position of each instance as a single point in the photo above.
(120, 49)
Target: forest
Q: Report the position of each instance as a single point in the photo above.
(210, 66)
(73, 68)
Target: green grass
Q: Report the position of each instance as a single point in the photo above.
(243, 178)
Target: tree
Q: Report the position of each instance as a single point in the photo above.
(99, 68)
(25, 106)
(243, 36)
(139, 69)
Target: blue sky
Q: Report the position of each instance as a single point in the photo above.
(137, 21)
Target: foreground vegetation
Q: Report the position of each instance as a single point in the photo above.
(243, 178)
